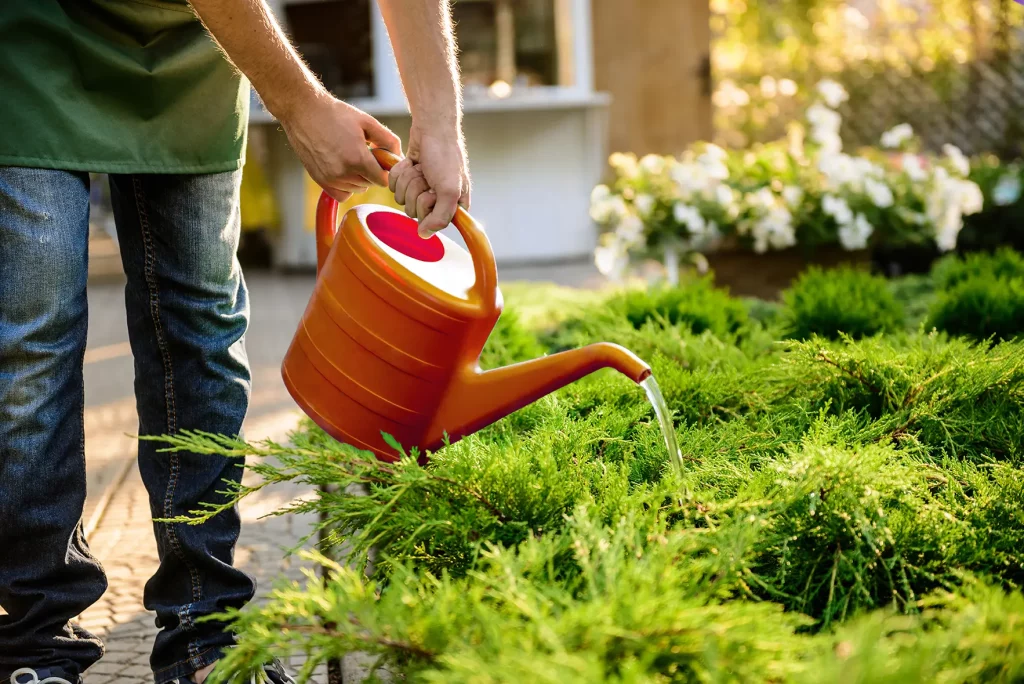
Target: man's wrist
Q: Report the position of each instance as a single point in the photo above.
(283, 104)
(438, 121)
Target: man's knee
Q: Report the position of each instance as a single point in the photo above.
(43, 268)
(44, 218)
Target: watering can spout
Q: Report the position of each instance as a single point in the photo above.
(480, 398)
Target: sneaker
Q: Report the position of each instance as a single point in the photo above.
(271, 673)
(45, 675)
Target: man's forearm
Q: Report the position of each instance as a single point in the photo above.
(254, 42)
(421, 35)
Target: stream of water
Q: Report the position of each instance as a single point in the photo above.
(650, 386)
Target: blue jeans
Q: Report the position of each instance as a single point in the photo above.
(187, 315)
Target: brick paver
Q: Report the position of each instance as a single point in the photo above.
(123, 541)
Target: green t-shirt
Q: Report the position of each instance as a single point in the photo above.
(116, 86)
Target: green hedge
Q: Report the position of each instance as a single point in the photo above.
(850, 510)
(842, 301)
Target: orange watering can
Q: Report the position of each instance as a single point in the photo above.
(391, 337)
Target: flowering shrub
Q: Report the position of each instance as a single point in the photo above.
(803, 190)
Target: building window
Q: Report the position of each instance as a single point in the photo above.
(335, 38)
(503, 44)
(517, 43)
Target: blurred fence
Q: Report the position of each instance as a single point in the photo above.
(978, 109)
(953, 69)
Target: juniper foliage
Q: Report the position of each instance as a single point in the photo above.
(845, 300)
(850, 506)
(981, 307)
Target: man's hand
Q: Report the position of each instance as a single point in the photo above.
(433, 179)
(330, 136)
(330, 139)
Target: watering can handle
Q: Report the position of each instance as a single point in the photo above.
(486, 286)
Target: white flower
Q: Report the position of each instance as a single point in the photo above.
(829, 142)
(712, 151)
(724, 195)
(793, 194)
(837, 208)
(644, 204)
(625, 164)
(879, 193)
(959, 161)
(765, 198)
(713, 164)
(855, 234)
(609, 210)
(824, 119)
(652, 164)
(832, 92)
(947, 229)
(605, 258)
(773, 227)
(775, 230)
(630, 229)
(897, 135)
(599, 194)
(840, 169)
(865, 167)
(611, 260)
(970, 197)
(1007, 190)
(691, 178)
(913, 167)
(689, 217)
(947, 201)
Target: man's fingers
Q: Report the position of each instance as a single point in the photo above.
(447, 200)
(356, 181)
(340, 196)
(370, 169)
(424, 205)
(403, 183)
(397, 171)
(342, 190)
(417, 191)
(381, 136)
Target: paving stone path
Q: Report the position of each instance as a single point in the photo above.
(123, 541)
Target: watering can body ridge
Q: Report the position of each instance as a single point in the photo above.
(390, 339)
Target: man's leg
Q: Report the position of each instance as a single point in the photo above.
(47, 576)
(187, 315)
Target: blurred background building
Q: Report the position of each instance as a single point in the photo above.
(549, 85)
(553, 86)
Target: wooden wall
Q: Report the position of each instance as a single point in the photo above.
(650, 55)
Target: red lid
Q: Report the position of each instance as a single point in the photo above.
(399, 232)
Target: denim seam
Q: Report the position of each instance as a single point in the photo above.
(149, 271)
(194, 662)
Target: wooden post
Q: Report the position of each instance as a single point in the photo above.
(505, 33)
(651, 57)
(565, 50)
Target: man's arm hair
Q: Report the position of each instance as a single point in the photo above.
(253, 41)
(421, 35)
(424, 44)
